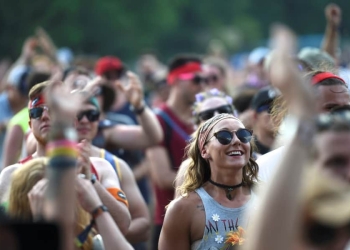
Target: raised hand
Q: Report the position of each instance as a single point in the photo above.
(93, 85)
(285, 76)
(132, 89)
(87, 195)
(36, 198)
(62, 103)
(84, 165)
(29, 46)
(333, 14)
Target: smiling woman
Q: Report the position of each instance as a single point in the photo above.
(217, 190)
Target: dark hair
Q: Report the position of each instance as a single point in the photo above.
(243, 98)
(182, 59)
(75, 69)
(35, 78)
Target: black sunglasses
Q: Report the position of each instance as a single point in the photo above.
(225, 137)
(91, 115)
(199, 80)
(37, 112)
(206, 115)
(325, 121)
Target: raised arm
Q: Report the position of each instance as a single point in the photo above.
(149, 132)
(331, 37)
(280, 207)
(106, 190)
(111, 234)
(160, 167)
(139, 229)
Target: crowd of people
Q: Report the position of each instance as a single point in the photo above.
(177, 156)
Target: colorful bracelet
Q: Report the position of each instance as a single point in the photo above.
(62, 148)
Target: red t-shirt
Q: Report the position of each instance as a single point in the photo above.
(176, 147)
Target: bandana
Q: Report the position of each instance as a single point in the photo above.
(37, 101)
(209, 125)
(323, 76)
(188, 68)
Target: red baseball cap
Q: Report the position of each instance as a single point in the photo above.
(108, 63)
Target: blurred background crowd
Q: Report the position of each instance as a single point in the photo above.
(152, 74)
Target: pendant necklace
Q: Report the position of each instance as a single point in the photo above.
(227, 188)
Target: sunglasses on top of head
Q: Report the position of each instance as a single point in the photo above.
(199, 80)
(91, 115)
(206, 115)
(37, 112)
(225, 137)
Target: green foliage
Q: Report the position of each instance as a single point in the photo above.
(127, 28)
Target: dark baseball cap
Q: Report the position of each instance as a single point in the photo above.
(264, 98)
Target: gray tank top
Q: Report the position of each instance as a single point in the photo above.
(222, 223)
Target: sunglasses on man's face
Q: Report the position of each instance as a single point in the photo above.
(91, 115)
(225, 136)
(37, 112)
(199, 80)
(206, 115)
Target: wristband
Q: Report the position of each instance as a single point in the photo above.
(62, 148)
(98, 211)
(138, 111)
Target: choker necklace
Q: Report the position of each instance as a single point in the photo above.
(227, 188)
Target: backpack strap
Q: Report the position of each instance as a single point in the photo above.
(172, 124)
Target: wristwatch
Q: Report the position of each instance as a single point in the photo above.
(138, 111)
(98, 211)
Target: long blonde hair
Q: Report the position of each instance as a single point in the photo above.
(198, 171)
(23, 180)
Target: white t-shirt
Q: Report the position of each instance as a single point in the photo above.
(269, 162)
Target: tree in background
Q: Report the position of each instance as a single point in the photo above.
(128, 28)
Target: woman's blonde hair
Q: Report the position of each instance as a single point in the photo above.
(23, 180)
(198, 171)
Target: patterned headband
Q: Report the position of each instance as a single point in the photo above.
(209, 125)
